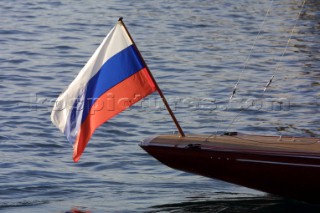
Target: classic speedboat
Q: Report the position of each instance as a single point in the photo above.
(286, 166)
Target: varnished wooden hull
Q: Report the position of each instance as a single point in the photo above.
(285, 167)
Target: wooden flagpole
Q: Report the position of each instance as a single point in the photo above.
(155, 83)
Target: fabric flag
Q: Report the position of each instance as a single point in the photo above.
(114, 78)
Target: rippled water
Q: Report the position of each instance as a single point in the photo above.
(197, 51)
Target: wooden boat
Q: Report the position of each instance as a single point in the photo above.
(279, 165)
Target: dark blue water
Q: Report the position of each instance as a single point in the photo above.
(197, 51)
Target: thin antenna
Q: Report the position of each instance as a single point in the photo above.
(250, 53)
(285, 49)
(277, 65)
(234, 91)
(155, 83)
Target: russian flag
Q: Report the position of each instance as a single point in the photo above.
(114, 78)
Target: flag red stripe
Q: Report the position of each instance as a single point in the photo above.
(112, 102)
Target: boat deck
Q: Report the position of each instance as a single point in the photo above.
(240, 142)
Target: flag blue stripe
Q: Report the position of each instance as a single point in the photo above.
(115, 70)
(70, 130)
(118, 68)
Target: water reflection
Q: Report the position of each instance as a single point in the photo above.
(76, 210)
(242, 205)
